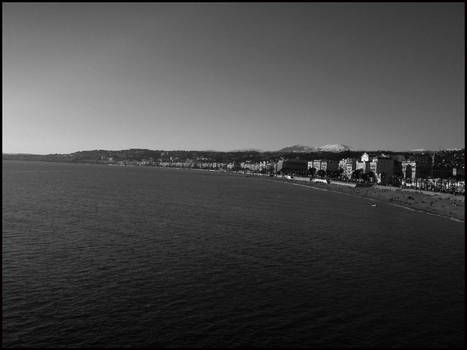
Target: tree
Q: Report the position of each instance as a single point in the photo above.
(311, 171)
(357, 174)
(369, 177)
(321, 173)
(339, 172)
(335, 173)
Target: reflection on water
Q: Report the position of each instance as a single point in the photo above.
(110, 256)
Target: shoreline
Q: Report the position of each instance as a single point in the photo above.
(443, 205)
(437, 204)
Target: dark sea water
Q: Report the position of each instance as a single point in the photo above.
(119, 256)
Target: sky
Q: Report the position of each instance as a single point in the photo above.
(225, 76)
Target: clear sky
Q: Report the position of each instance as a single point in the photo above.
(223, 76)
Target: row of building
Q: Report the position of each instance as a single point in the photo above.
(379, 168)
(382, 169)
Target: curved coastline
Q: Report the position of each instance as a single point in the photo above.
(427, 203)
(375, 194)
(435, 204)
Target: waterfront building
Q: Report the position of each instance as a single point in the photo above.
(326, 165)
(365, 166)
(349, 169)
(279, 165)
(365, 157)
(295, 166)
(348, 165)
(331, 165)
(412, 170)
(364, 163)
(459, 171)
(316, 164)
(250, 166)
(322, 165)
(342, 163)
(383, 168)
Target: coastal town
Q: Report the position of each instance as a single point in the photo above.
(423, 172)
(441, 171)
(228, 175)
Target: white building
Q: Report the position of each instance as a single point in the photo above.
(348, 165)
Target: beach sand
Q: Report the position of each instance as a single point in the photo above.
(442, 204)
(434, 203)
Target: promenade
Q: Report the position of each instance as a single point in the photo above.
(443, 204)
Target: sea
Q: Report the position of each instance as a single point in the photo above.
(101, 256)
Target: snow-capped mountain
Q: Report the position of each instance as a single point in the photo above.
(334, 148)
(298, 149)
(246, 150)
(325, 148)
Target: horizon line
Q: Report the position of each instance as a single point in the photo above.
(245, 150)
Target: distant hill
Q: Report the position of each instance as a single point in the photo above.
(306, 149)
(246, 150)
(419, 150)
(331, 152)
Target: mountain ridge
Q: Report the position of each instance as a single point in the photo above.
(325, 148)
